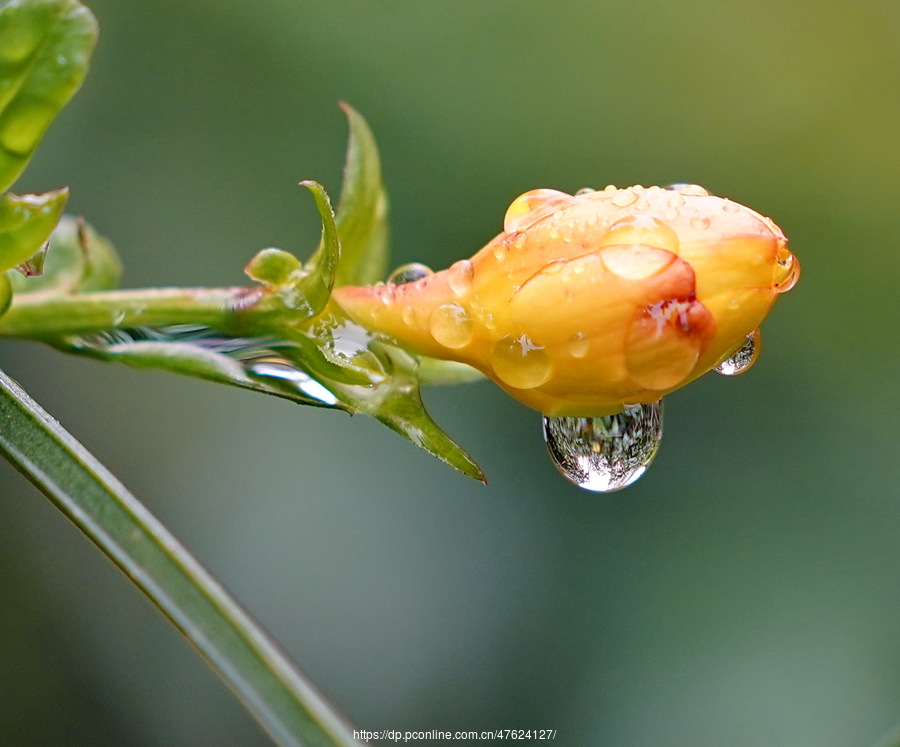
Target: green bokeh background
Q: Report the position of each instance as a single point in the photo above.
(744, 592)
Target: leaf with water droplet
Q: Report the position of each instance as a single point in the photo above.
(202, 353)
(26, 223)
(608, 453)
(362, 209)
(78, 259)
(44, 54)
(396, 402)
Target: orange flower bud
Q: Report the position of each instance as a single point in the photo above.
(589, 302)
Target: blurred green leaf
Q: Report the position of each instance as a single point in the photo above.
(77, 260)
(26, 223)
(5, 293)
(363, 208)
(286, 705)
(45, 47)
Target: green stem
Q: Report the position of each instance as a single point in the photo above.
(279, 696)
(39, 316)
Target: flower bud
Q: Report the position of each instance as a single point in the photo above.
(587, 303)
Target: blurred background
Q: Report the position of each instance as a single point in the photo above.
(744, 592)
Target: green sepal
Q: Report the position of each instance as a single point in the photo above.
(397, 403)
(78, 260)
(274, 267)
(45, 47)
(314, 288)
(362, 211)
(26, 223)
(6, 293)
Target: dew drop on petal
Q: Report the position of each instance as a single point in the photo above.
(584, 191)
(530, 207)
(608, 453)
(689, 190)
(451, 326)
(742, 358)
(459, 276)
(787, 271)
(409, 274)
(640, 229)
(519, 363)
(624, 198)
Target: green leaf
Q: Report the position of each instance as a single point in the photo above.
(284, 702)
(26, 223)
(363, 208)
(78, 260)
(314, 288)
(397, 403)
(45, 47)
(256, 364)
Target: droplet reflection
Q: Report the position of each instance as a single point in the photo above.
(742, 358)
(608, 453)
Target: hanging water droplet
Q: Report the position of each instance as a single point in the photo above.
(283, 370)
(742, 358)
(409, 273)
(608, 453)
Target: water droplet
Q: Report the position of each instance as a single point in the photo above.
(579, 346)
(664, 342)
(742, 358)
(731, 207)
(787, 270)
(520, 241)
(624, 198)
(283, 370)
(675, 201)
(608, 453)
(459, 276)
(408, 315)
(451, 326)
(640, 229)
(584, 191)
(409, 274)
(519, 363)
(499, 252)
(689, 190)
(530, 207)
(636, 262)
(700, 221)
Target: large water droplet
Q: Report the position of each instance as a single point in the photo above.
(689, 190)
(608, 453)
(451, 326)
(283, 370)
(409, 273)
(460, 275)
(519, 363)
(742, 358)
(640, 229)
(787, 270)
(624, 198)
(529, 208)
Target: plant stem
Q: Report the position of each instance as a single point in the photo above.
(39, 316)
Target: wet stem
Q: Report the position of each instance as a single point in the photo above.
(237, 310)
